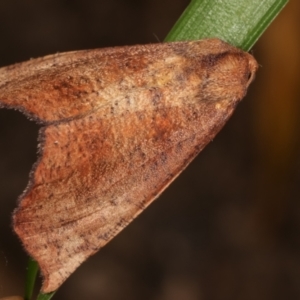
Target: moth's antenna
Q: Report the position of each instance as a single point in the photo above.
(157, 38)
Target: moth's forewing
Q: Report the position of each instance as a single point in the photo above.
(119, 125)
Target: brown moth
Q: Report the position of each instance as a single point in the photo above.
(119, 125)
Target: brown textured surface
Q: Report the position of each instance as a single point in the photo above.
(120, 125)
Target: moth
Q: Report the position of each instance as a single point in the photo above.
(118, 125)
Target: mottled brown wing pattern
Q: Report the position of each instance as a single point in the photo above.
(121, 124)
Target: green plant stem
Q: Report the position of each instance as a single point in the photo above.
(238, 22)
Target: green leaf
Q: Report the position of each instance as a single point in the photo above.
(48, 296)
(238, 22)
(32, 270)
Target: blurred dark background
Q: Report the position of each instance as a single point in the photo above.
(228, 227)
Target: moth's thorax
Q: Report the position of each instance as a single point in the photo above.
(228, 76)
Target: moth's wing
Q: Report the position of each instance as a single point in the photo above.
(69, 85)
(92, 179)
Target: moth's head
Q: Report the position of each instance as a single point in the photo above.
(228, 75)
